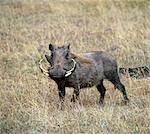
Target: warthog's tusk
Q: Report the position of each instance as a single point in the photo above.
(68, 73)
(42, 69)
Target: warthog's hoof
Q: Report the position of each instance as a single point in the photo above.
(126, 101)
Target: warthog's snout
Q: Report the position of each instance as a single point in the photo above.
(57, 72)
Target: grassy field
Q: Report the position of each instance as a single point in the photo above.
(29, 100)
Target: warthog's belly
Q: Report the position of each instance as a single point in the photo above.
(80, 84)
(83, 82)
(87, 84)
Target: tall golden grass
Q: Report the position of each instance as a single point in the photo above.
(28, 99)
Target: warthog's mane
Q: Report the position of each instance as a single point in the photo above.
(82, 59)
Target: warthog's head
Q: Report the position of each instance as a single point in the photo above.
(61, 62)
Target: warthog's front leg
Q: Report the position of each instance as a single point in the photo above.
(62, 93)
(75, 96)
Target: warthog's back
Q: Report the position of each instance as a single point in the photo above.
(101, 58)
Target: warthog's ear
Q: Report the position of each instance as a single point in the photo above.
(68, 46)
(51, 47)
(48, 58)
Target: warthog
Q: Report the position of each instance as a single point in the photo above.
(70, 70)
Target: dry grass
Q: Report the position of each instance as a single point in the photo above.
(28, 100)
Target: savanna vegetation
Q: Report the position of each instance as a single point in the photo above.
(29, 100)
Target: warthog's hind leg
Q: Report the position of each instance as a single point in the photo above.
(102, 91)
(121, 87)
(113, 77)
